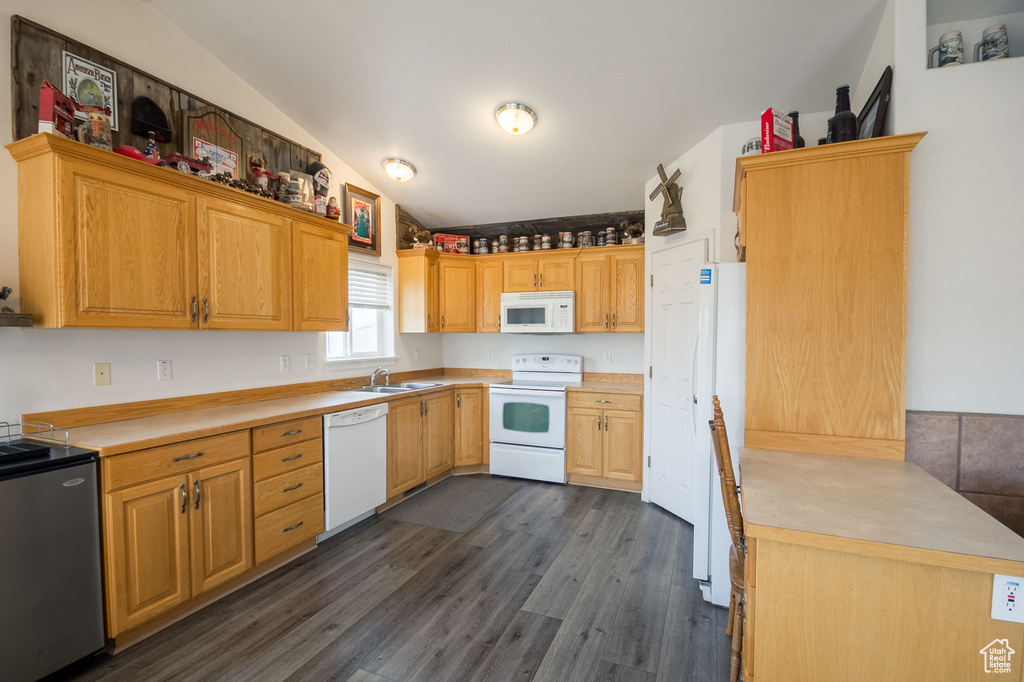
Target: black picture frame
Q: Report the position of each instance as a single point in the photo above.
(872, 116)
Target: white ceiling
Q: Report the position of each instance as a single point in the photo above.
(619, 86)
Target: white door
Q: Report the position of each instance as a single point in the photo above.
(673, 326)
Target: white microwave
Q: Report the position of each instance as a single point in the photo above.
(538, 312)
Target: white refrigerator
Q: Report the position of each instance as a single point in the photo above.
(718, 369)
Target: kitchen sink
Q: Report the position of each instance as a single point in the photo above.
(412, 385)
(383, 389)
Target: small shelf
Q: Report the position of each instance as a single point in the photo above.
(15, 319)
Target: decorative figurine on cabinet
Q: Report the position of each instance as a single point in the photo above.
(333, 210)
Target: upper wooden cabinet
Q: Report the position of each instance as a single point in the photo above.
(107, 241)
(319, 273)
(457, 299)
(490, 277)
(419, 308)
(550, 271)
(610, 289)
(826, 235)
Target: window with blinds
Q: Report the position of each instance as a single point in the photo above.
(371, 318)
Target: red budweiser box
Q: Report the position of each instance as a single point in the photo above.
(451, 243)
(56, 111)
(776, 131)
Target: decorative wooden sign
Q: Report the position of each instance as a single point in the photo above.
(208, 134)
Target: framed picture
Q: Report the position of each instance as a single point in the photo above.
(90, 84)
(872, 116)
(362, 212)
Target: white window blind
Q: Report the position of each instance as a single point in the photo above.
(369, 289)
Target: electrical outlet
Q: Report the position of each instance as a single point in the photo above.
(607, 357)
(101, 374)
(310, 361)
(286, 363)
(1006, 598)
(416, 354)
(163, 370)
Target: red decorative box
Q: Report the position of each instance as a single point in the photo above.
(56, 111)
(776, 131)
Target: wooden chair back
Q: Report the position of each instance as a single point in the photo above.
(730, 495)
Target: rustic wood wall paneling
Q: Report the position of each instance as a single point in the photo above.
(36, 56)
(551, 226)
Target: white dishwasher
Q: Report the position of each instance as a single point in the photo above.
(355, 466)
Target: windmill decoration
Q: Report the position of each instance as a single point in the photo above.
(672, 219)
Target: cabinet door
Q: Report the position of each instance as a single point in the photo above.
(555, 274)
(319, 278)
(127, 248)
(592, 291)
(623, 445)
(437, 433)
(405, 445)
(458, 294)
(221, 523)
(244, 267)
(146, 551)
(627, 300)
(469, 433)
(490, 278)
(520, 274)
(584, 440)
(432, 287)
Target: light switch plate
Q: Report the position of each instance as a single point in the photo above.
(1006, 598)
(101, 373)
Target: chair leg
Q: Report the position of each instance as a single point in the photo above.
(732, 612)
(737, 643)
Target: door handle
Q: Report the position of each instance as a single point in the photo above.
(195, 485)
(206, 310)
(602, 401)
(195, 310)
(184, 499)
(184, 457)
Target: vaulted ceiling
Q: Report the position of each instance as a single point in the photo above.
(618, 86)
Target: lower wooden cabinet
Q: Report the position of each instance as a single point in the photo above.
(470, 435)
(419, 440)
(604, 438)
(170, 539)
(288, 485)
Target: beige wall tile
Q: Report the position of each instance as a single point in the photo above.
(932, 441)
(992, 454)
(1007, 509)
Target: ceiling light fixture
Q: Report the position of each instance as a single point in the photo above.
(399, 170)
(515, 118)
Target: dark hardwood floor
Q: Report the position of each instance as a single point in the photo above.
(559, 583)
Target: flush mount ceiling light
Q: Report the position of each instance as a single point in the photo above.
(515, 118)
(399, 170)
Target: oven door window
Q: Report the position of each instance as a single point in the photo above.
(526, 417)
(520, 316)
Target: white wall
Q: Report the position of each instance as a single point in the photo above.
(44, 369)
(966, 289)
(495, 351)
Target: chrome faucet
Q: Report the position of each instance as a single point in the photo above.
(377, 372)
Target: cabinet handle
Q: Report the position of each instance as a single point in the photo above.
(293, 457)
(442, 322)
(542, 280)
(534, 280)
(606, 422)
(426, 407)
(292, 433)
(613, 320)
(602, 401)
(606, 320)
(598, 422)
(458, 400)
(184, 498)
(294, 487)
(206, 310)
(195, 485)
(293, 527)
(195, 310)
(183, 458)
(429, 322)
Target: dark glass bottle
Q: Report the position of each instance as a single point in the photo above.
(798, 142)
(828, 131)
(844, 123)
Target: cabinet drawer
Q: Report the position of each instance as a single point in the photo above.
(288, 458)
(611, 401)
(282, 490)
(288, 526)
(169, 460)
(284, 433)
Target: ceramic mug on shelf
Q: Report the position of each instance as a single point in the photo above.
(950, 50)
(994, 44)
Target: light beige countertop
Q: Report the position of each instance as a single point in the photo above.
(847, 503)
(117, 437)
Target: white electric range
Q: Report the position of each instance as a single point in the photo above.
(527, 417)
